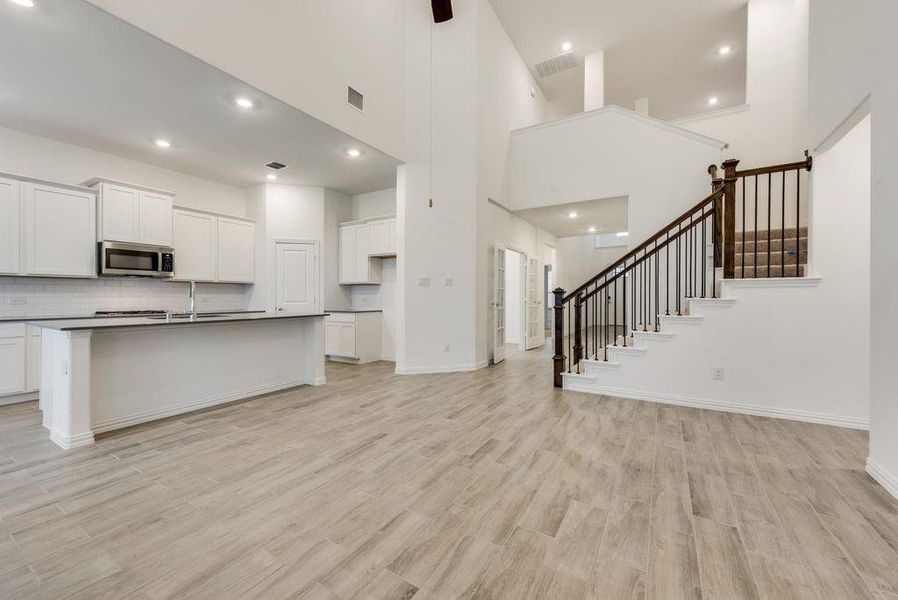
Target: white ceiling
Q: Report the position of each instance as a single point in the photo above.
(662, 49)
(608, 215)
(74, 73)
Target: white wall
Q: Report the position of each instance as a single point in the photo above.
(772, 127)
(437, 322)
(513, 295)
(783, 355)
(286, 212)
(26, 154)
(504, 103)
(852, 58)
(374, 204)
(580, 260)
(608, 153)
(304, 53)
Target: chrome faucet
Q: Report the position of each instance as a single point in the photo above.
(191, 299)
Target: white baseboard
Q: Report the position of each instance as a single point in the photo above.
(18, 398)
(882, 477)
(441, 369)
(68, 442)
(734, 407)
(170, 411)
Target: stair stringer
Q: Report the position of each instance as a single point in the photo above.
(676, 365)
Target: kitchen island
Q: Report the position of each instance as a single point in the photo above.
(103, 374)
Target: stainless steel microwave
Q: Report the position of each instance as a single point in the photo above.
(135, 260)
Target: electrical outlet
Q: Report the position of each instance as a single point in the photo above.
(18, 301)
(448, 282)
(446, 348)
(718, 373)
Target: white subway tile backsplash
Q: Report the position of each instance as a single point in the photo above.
(49, 296)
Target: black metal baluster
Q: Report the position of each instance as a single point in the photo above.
(657, 291)
(756, 226)
(714, 249)
(769, 192)
(625, 307)
(678, 270)
(743, 228)
(614, 333)
(667, 274)
(797, 223)
(570, 354)
(704, 256)
(783, 231)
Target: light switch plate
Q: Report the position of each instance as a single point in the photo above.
(423, 281)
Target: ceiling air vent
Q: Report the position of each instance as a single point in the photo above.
(276, 165)
(356, 98)
(560, 63)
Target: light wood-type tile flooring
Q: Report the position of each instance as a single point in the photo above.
(479, 485)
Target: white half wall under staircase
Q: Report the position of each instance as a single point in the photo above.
(773, 347)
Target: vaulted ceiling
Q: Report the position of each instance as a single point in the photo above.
(661, 49)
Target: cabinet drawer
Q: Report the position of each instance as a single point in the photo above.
(12, 330)
(341, 317)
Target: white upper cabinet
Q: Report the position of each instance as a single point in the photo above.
(361, 245)
(59, 230)
(383, 237)
(133, 213)
(236, 241)
(213, 248)
(355, 263)
(9, 226)
(195, 245)
(155, 221)
(119, 213)
(347, 254)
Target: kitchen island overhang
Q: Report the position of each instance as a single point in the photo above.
(98, 375)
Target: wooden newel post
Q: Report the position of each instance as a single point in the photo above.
(729, 218)
(717, 184)
(578, 338)
(558, 336)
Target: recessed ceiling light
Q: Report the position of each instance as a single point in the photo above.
(572, 215)
(724, 50)
(713, 100)
(163, 143)
(354, 153)
(592, 229)
(272, 177)
(244, 102)
(25, 3)
(566, 47)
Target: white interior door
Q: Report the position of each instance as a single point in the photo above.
(534, 333)
(296, 277)
(499, 303)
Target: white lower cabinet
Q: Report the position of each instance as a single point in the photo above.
(33, 360)
(13, 358)
(353, 337)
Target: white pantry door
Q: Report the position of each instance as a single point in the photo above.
(499, 303)
(534, 332)
(296, 277)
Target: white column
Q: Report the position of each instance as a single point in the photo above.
(641, 105)
(70, 392)
(594, 81)
(313, 339)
